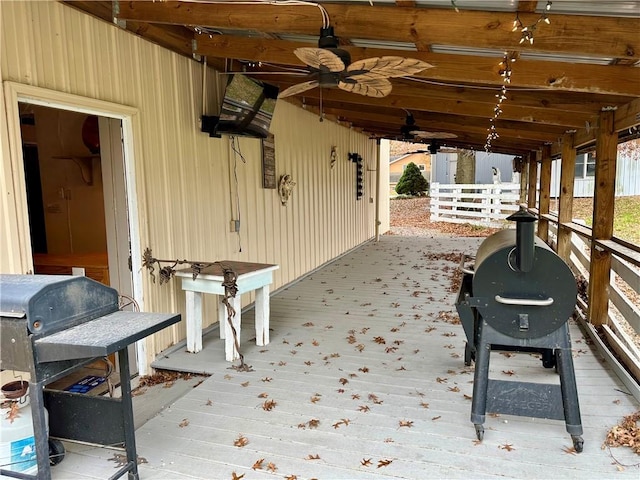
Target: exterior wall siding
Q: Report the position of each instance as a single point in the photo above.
(186, 187)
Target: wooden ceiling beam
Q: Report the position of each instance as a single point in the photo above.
(509, 112)
(559, 76)
(577, 34)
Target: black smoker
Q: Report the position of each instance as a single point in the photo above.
(51, 325)
(519, 296)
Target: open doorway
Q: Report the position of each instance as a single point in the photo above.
(76, 195)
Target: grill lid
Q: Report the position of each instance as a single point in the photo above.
(54, 302)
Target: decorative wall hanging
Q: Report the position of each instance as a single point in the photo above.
(285, 186)
(357, 159)
(268, 162)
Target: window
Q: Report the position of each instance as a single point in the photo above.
(585, 165)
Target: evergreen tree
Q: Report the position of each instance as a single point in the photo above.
(412, 182)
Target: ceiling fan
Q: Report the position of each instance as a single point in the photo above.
(330, 66)
(410, 131)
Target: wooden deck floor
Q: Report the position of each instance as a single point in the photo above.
(366, 380)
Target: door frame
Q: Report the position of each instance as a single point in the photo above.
(16, 93)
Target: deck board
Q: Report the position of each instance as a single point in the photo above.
(326, 358)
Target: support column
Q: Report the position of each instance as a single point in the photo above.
(524, 175)
(603, 212)
(533, 179)
(565, 203)
(545, 193)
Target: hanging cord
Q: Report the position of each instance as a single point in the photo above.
(235, 147)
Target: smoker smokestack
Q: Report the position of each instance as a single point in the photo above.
(525, 249)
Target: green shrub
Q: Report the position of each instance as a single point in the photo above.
(412, 182)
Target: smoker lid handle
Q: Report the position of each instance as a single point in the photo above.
(464, 269)
(527, 302)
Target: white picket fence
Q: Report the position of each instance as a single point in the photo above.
(478, 204)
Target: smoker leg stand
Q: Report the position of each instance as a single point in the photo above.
(480, 384)
(570, 397)
(127, 415)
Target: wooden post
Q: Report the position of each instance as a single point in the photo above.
(545, 193)
(603, 211)
(523, 178)
(533, 179)
(565, 203)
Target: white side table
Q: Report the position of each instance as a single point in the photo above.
(251, 276)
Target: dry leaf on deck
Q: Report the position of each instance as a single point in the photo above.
(507, 446)
(384, 463)
(241, 442)
(406, 423)
(258, 464)
(313, 457)
(269, 405)
(183, 423)
(365, 462)
(235, 476)
(271, 467)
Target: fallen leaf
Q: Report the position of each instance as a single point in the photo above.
(183, 423)
(291, 477)
(313, 457)
(570, 450)
(454, 389)
(384, 463)
(365, 462)
(263, 395)
(507, 446)
(269, 405)
(424, 404)
(267, 379)
(364, 408)
(508, 372)
(379, 340)
(406, 423)
(209, 403)
(344, 381)
(441, 380)
(271, 467)
(258, 464)
(235, 476)
(437, 418)
(244, 384)
(241, 442)
(313, 423)
(315, 399)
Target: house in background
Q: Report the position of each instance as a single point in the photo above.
(627, 175)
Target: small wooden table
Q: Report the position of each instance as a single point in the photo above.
(251, 276)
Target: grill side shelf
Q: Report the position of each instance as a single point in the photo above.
(101, 336)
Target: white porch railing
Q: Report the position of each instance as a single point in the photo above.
(478, 204)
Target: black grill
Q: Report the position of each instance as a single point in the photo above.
(51, 325)
(519, 296)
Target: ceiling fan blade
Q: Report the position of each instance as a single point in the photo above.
(298, 88)
(320, 58)
(386, 67)
(369, 87)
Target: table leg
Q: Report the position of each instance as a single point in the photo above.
(194, 321)
(231, 353)
(222, 316)
(262, 315)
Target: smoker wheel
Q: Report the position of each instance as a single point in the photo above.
(549, 358)
(480, 432)
(56, 451)
(578, 443)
